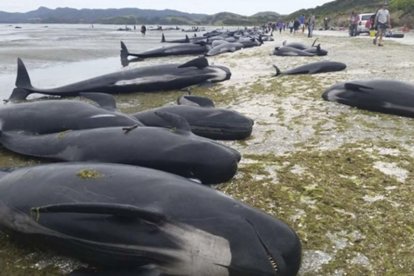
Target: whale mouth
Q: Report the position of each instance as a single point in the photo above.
(221, 74)
(270, 257)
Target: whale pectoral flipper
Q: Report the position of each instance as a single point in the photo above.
(176, 121)
(140, 271)
(118, 210)
(200, 63)
(356, 86)
(104, 100)
(129, 128)
(195, 101)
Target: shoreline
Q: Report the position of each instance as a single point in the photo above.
(342, 178)
(337, 175)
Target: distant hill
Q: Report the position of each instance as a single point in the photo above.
(339, 11)
(69, 15)
(133, 16)
(226, 18)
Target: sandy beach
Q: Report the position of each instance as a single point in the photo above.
(343, 178)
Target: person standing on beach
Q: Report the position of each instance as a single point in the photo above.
(353, 24)
(382, 21)
(280, 26)
(311, 25)
(302, 22)
(143, 29)
(296, 25)
(290, 26)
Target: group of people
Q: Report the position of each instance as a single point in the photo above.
(294, 25)
(380, 22)
(297, 24)
(300, 23)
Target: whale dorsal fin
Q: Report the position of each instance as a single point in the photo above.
(114, 209)
(106, 101)
(195, 101)
(200, 63)
(177, 123)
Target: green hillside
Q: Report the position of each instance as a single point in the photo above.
(130, 16)
(402, 11)
(226, 18)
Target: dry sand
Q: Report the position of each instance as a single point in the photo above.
(341, 177)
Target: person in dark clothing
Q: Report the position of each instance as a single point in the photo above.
(296, 25)
(143, 29)
(353, 24)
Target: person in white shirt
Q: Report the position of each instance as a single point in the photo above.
(382, 21)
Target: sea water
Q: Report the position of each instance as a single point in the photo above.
(59, 54)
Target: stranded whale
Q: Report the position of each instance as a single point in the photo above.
(176, 150)
(386, 96)
(124, 217)
(144, 79)
(313, 68)
(204, 119)
(49, 116)
(174, 50)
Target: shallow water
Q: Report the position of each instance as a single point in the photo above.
(58, 54)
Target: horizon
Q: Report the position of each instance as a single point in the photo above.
(242, 7)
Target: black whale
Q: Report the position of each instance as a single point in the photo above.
(118, 216)
(143, 79)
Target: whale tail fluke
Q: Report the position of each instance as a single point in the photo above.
(124, 51)
(125, 54)
(22, 79)
(313, 44)
(278, 72)
(318, 49)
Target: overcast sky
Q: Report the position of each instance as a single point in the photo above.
(244, 7)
